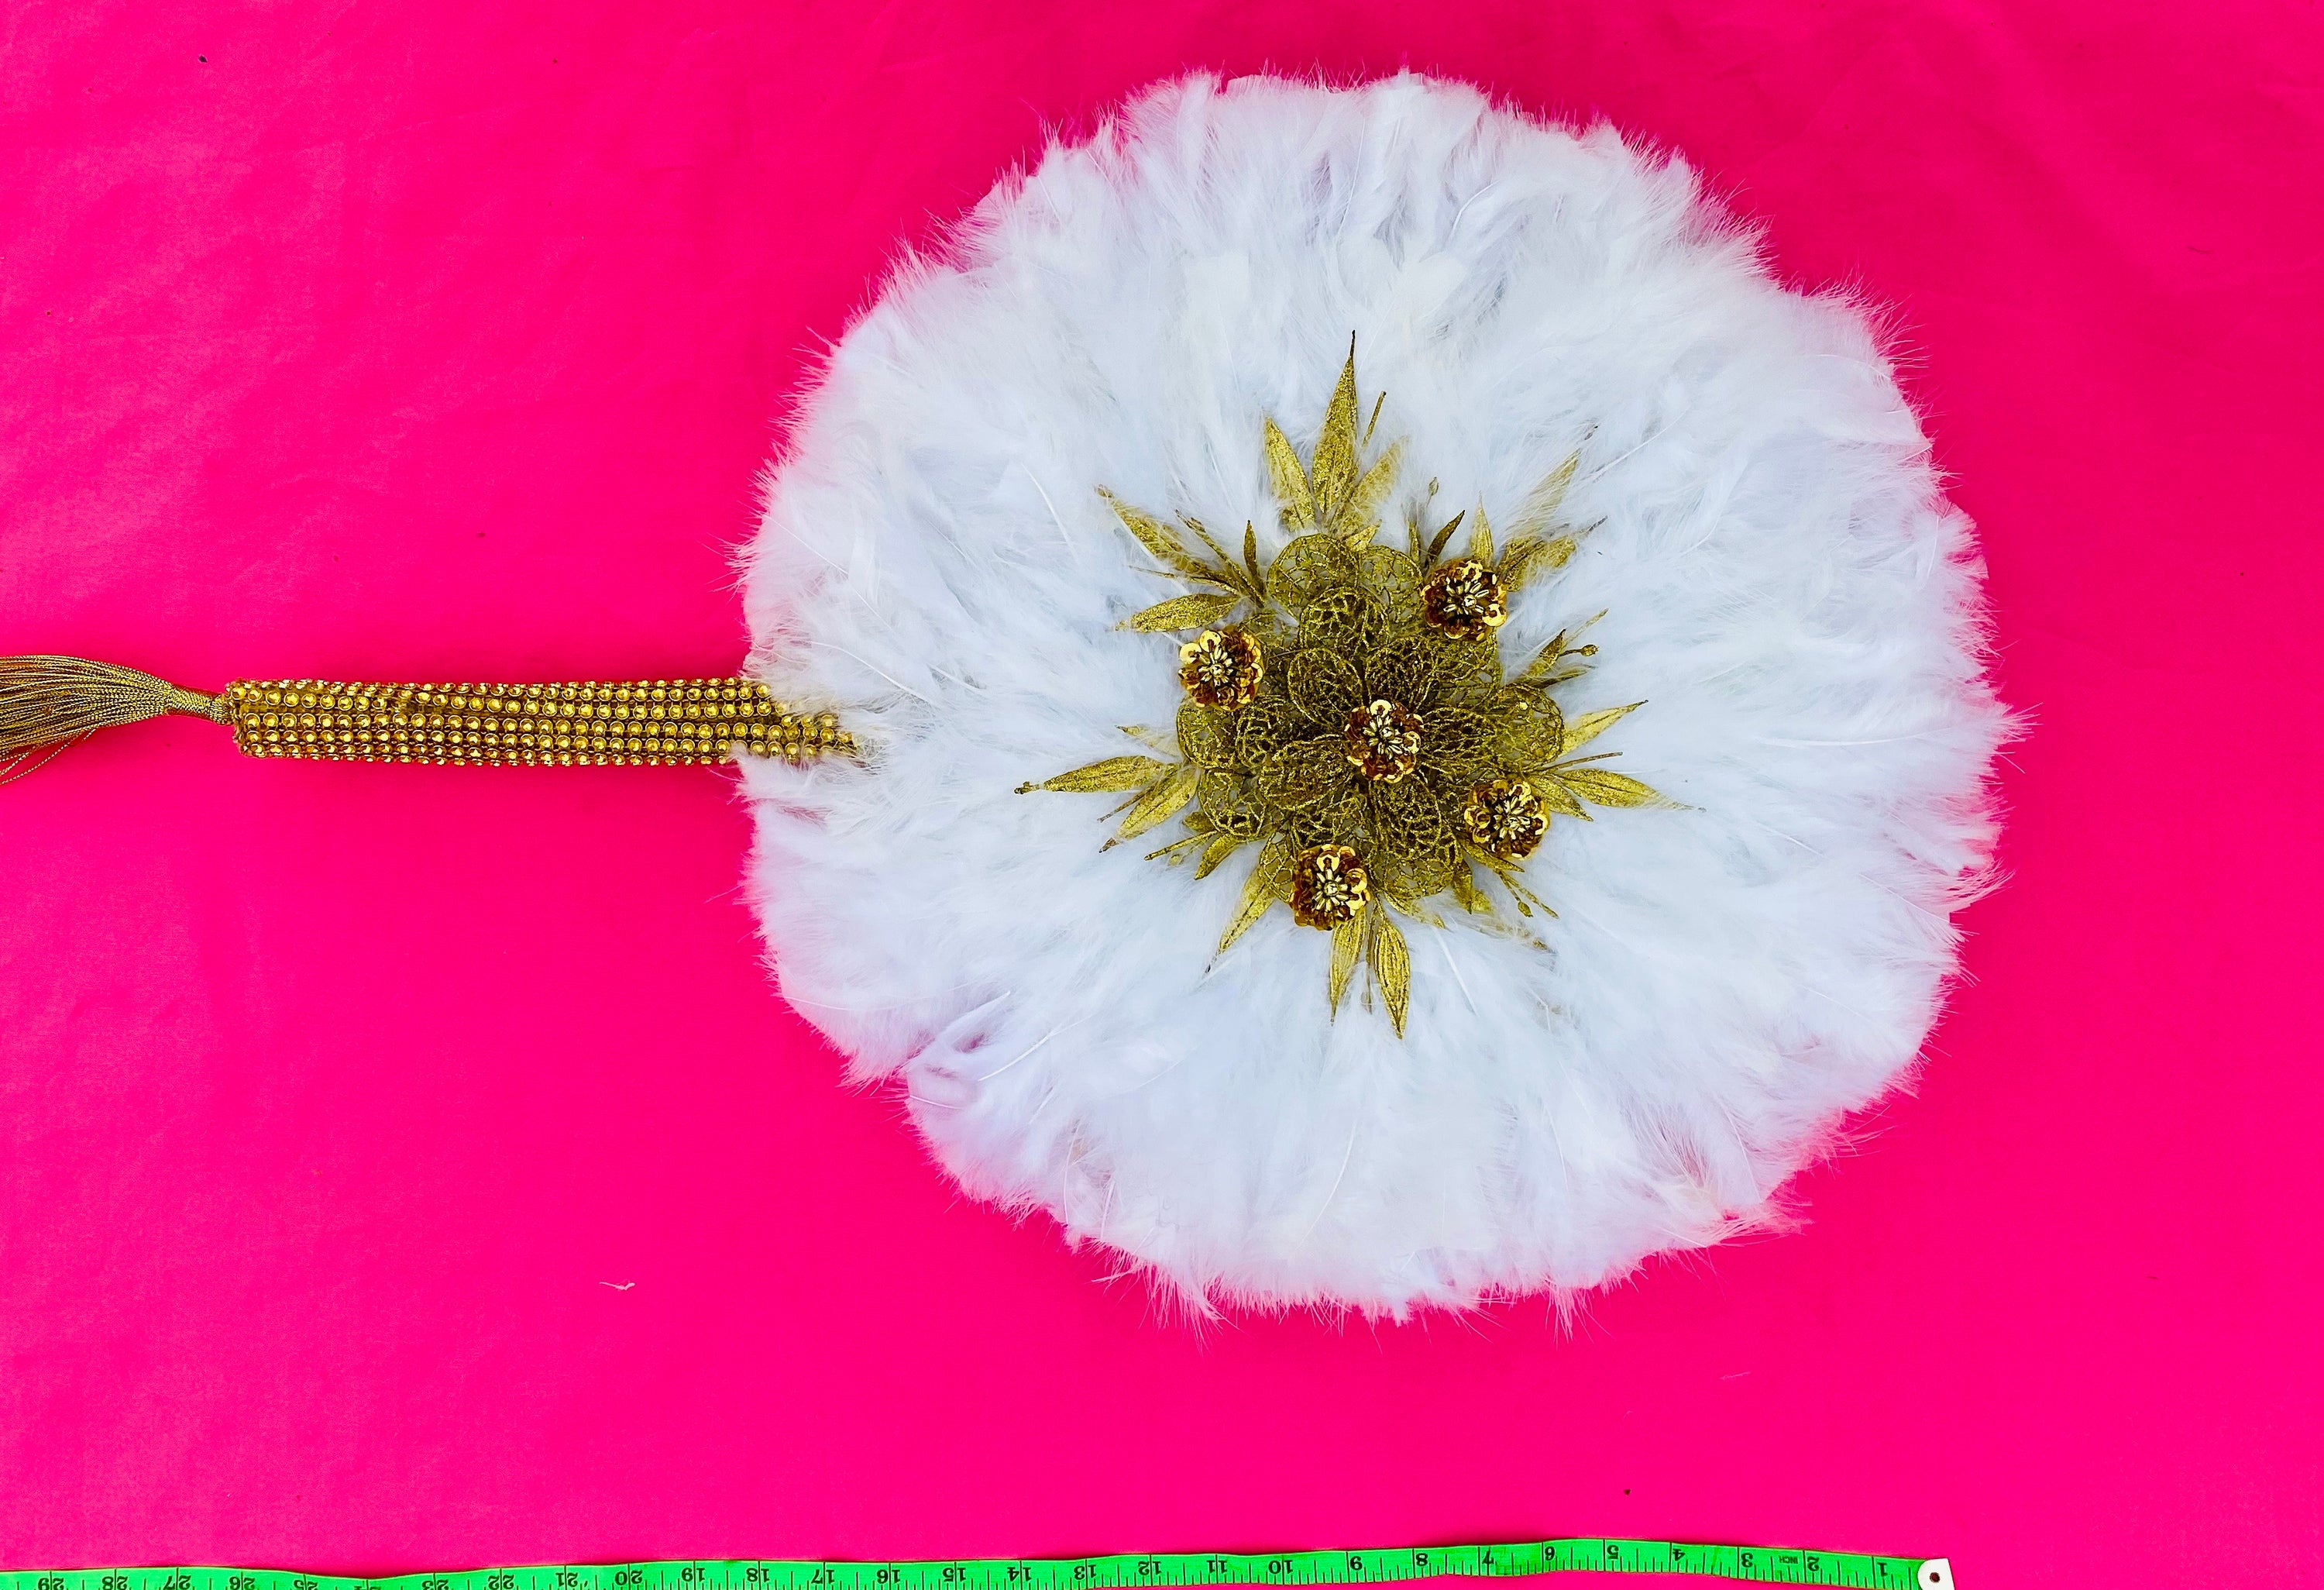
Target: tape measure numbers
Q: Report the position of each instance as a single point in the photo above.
(1752, 1564)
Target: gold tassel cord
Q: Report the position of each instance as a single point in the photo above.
(48, 702)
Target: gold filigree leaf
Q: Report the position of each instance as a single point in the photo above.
(1160, 539)
(1250, 561)
(1600, 788)
(1334, 470)
(1481, 539)
(1528, 729)
(1456, 741)
(1343, 620)
(1159, 740)
(1468, 672)
(1264, 728)
(1309, 565)
(1408, 880)
(1590, 725)
(1163, 801)
(1557, 799)
(1270, 881)
(1216, 852)
(1114, 773)
(1305, 772)
(1206, 737)
(1273, 639)
(1325, 686)
(1402, 672)
(1336, 819)
(1347, 945)
(1292, 493)
(1227, 804)
(1391, 960)
(1409, 820)
(1395, 580)
(1198, 611)
(1464, 888)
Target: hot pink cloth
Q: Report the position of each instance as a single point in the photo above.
(411, 1168)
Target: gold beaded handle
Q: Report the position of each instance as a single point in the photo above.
(646, 723)
(50, 702)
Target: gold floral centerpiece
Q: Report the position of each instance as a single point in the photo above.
(1348, 711)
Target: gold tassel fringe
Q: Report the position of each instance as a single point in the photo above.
(47, 703)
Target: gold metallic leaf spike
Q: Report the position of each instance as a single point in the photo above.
(1163, 801)
(1260, 891)
(1391, 962)
(639, 723)
(1292, 493)
(1541, 504)
(1347, 944)
(1582, 730)
(1360, 515)
(1334, 469)
(1192, 612)
(1600, 788)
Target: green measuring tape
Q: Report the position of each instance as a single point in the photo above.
(1758, 1564)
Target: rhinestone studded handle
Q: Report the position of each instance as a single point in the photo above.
(636, 723)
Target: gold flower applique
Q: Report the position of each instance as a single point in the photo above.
(1347, 712)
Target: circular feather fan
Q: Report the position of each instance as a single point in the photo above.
(1422, 718)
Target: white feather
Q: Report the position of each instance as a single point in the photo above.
(1780, 580)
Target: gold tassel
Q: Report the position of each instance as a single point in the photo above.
(49, 702)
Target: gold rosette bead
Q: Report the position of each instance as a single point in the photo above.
(1222, 668)
(1383, 741)
(1464, 600)
(1329, 886)
(1505, 819)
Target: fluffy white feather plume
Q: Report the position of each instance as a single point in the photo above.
(1780, 582)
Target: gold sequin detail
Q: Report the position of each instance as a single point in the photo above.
(649, 723)
(1465, 599)
(1383, 741)
(1329, 886)
(1222, 669)
(1505, 819)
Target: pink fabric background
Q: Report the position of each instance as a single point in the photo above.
(427, 340)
